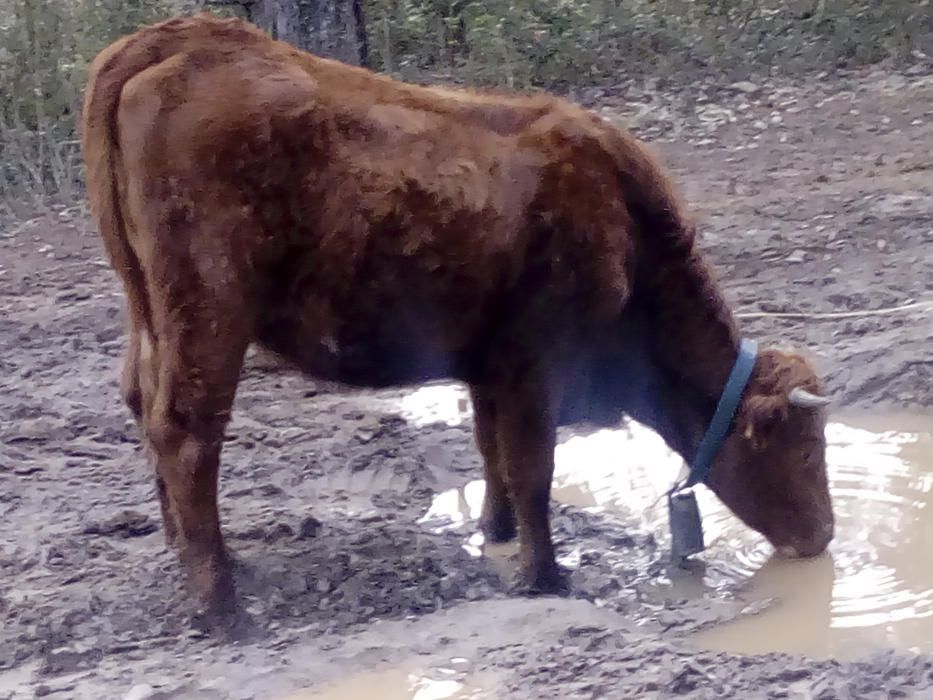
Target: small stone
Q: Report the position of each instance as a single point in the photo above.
(141, 691)
(277, 532)
(294, 584)
(745, 86)
(458, 663)
(125, 524)
(27, 470)
(310, 527)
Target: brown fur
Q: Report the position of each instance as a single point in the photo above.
(378, 233)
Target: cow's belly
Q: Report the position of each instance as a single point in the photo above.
(371, 352)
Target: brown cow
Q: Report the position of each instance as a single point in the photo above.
(377, 233)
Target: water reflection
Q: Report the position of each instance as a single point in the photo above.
(882, 592)
(446, 403)
(875, 586)
(396, 685)
(800, 619)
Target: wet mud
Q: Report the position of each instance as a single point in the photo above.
(350, 514)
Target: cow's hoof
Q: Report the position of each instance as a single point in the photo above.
(225, 620)
(544, 580)
(210, 580)
(498, 528)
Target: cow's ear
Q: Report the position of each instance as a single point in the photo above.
(760, 417)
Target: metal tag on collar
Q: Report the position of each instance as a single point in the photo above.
(686, 524)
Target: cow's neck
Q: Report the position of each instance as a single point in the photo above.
(692, 343)
(694, 331)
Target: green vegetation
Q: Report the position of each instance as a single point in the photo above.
(46, 45)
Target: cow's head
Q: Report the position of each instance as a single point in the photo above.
(771, 470)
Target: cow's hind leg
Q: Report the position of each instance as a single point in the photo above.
(130, 387)
(497, 519)
(137, 386)
(526, 437)
(199, 360)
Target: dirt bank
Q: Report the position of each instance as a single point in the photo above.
(813, 198)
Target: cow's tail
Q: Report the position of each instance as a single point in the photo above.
(109, 72)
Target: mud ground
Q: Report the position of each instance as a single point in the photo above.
(813, 198)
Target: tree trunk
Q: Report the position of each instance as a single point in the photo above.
(332, 28)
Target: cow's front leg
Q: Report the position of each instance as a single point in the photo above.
(526, 437)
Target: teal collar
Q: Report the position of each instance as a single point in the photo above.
(725, 413)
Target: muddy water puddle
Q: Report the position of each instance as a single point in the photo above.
(398, 684)
(873, 589)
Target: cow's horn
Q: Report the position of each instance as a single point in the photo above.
(805, 399)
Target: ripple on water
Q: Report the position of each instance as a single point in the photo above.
(875, 587)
